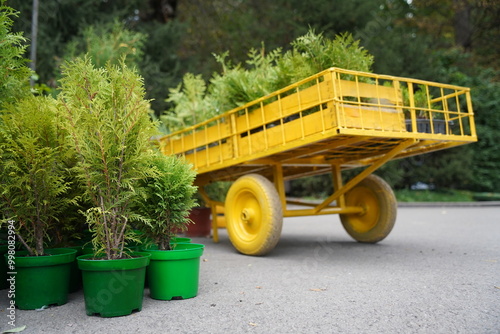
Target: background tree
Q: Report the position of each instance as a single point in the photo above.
(453, 41)
(14, 74)
(472, 25)
(62, 22)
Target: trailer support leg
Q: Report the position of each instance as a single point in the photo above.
(337, 184)
(279, 183)
(370, 169)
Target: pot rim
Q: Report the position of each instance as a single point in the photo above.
(86, 262)
(57, 256)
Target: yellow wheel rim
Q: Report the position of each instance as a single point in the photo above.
(365, 198)
(246, 215)
(253, 215)
(379, 207)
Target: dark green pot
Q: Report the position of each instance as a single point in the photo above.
(113, 288)
(175, 274)
(3, 266)
(42, 280)
(75, 277)
(180, 240)
(87, 249)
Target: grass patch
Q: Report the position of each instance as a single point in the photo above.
(407, 195)
(442, 195)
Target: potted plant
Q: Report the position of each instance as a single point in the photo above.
(426, 121)
(195, 101)
(173, 272)
(201, 220)
(202, 215)
(107, 119)
(34, 193)
(32, 178)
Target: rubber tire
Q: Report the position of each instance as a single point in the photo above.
(376, 221)
(254, 216)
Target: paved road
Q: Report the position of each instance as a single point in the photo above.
(438, 272)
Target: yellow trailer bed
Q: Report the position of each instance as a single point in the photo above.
(335, 120)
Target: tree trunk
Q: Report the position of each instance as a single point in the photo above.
(462, 24)
(34, 40)
(39, 234)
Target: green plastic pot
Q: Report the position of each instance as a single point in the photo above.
(87, 249)
(113, 288)
(41, 281)
(174, 274)
(173, 242)
(180, 240)
(75, 277)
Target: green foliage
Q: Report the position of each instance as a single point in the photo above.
(238, 85)
(311, 187)
(168, 198)
(190, 103)
(238, 26)
(399, 51)
(61, 21)
(264, 73)
(218, 26)
(450, 169)
(485, 155)
(421, 99)
(451, 195)
(406, 38)
(217, 191)
(477, 31)
(107, 118)
(14, 74)
(313, 53)
(473, 167)
(34, 170)
(64, 22)
(108, 42)
(161, 65)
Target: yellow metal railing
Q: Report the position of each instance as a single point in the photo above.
(335, 102)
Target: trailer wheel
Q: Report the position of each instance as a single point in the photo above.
(254, 216)
(379, 205)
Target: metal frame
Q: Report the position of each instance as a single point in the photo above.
(333, 121)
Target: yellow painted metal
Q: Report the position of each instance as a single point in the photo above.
(368, 220)
(337, 184)
(254, 215)
(324, 107)
(338, 119)
(379, 210)
(279, 183)
(354, 181)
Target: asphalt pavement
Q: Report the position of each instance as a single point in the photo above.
(437, 272)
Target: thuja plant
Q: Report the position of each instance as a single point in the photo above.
(263, 73)
(107, 118)
(107, 42)
(167, 199)
(34, 172)
(14, 74)
(191, 103)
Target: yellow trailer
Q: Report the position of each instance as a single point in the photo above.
(330, 122)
